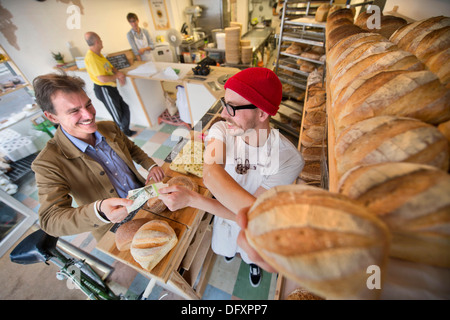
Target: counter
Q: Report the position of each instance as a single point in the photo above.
(144, 93)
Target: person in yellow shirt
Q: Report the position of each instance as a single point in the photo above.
(104, 76)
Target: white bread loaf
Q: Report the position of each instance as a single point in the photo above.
(339, 33)
(413, 200)
(324, 241)
(152, 242)
(390, 139)
(125, 233)
(415, 94)
(432, 43)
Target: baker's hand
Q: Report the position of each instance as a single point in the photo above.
(115, 208)
(156, 174)
(176, 197)
(242, 221)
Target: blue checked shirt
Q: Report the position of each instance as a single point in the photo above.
(121, 177)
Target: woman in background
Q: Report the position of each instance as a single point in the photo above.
(139, 39)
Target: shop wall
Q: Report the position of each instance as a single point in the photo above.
(419, 9)
(30, 30)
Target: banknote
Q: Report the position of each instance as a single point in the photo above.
(141, 195)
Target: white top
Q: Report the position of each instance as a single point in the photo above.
(277, 162)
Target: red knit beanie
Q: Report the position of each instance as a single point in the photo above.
(260, 86)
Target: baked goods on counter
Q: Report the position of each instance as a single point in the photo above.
(322, 240)
(152, 242)
(413, 200)
(125, 233)
(390, 139)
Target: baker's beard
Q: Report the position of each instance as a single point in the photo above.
(236, 130)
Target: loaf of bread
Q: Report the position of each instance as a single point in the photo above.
(413, 200)
(338, 17)
(340, 33)
(324, 241)
(322, 12)
(314, 153)
(157, 206)
(390, 139)
(125, 233)
(439, 64)
(359, 38)
(369, 63)
(152, 242)
(302, 294)
(388, 24)
(314, 136)
(311, 171)
(415, 94)
(314, 118)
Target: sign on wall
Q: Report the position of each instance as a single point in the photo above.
(159, 14)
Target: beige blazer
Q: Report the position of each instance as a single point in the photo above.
(64, 173)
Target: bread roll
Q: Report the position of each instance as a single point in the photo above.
(416, 94)
(390, 139)
(413, 200)
(125, 233)
(323, 241)
(152, 242)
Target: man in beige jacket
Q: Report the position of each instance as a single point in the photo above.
(86, 161)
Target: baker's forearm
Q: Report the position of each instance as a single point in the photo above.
(226, 189)
(212, 206)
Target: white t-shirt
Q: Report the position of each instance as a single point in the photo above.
(277, 162)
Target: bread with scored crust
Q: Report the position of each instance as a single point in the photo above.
(324, 241)
(413, 200)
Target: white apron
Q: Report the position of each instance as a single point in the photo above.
(147, 56)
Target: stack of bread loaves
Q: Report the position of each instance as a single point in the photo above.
(429, 40)
(388, 112)
(313, 136)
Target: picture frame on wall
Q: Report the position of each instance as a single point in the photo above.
(159, 14)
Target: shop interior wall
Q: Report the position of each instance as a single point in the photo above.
(31, 30)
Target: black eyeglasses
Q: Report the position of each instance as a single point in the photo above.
(232, 110)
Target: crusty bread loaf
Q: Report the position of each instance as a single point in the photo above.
(415, 94)
(302, 294)
(152, 242)
(322, 12)
(388, 24)
(413, 200)
(444, 128)
(439, 64)
(369, 63)
(125, 233)
(314, 153)
(409, 34)
(338, 14)
(324, 241)
(314, 136)
(390, 139)
(314, 118)
(157, 206)
(311, 171)
(356, 39)
(340, 33)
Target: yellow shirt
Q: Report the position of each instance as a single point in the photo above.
(98, 65)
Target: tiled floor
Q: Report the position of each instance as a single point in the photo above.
(227, 280)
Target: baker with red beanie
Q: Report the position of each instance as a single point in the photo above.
(244, 157)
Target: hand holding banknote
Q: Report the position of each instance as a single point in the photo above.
(115, 208)
(141, 195)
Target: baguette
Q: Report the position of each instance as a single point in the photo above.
(324, 241)
(413, 200)
(390, 139)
